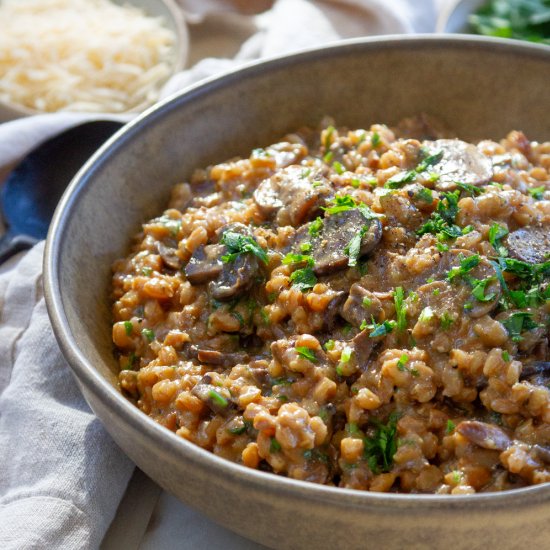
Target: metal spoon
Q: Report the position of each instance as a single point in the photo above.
(33, 189)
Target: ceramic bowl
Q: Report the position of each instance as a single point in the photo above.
(480, 87)
(172, 18)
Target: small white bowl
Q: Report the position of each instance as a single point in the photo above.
(172, 18)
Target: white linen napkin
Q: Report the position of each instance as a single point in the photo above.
(61, 476)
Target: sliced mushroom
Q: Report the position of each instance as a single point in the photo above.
(227, 279)
(484, 435)
(400, 211)
(205, 264)
(328, 248)
(169, 256)
(295, 194)
(331, 313)
(461, 162)
(363, 345)
(226, 360)
(530, 244)
(361, 305)
(211, 396)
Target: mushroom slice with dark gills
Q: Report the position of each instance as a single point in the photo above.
(530, 244)
(231, 266)
(339, 240)
(461, 162)
(293, 195)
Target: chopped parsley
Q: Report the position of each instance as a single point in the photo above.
(329, 132)
(149, 334)
(306, 353)
(403, 360)
(517, 323)
(128, 327)
(274, 446)
(291, 259)
(315, 227)
(442, 221)
(479, 288)
(537, 192)
(329, 345)
(380, 329)
(367, 302)
(172, 225)
(147, 271)
(382, 446)
(446, 320)
(375, 140)
(426, 315)
(472, 190)
(338, 168)
(218, 399)
(425, 195)
(397, 181)
(345, 203)
(450, 426)
(466, 265)
(400, 308)
(346, 354)
(238, 244)
(505, 356)
(496, 233)
(303, 279)
(353, 248)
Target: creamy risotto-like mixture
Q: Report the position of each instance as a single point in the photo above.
(364, 308)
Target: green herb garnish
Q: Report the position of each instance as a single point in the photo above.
(403, 360)
(274, 446)
(466, 265)
(450, 426)
(380, 329)
(315, 227)
(425, 195)
(238, 244)
(148, 333)
(303, 279)
(518, 323)
(382, 446)
(479, 288)
(128, 327)
(375, 140)
(537, 192)
(306, 353)
(400, 308)
(496, 233)
(218, 399)
(353, 248)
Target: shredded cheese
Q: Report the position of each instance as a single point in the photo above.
(81, 55)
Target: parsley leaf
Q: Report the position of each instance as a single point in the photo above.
(380, 329)
(400, 308)
(238, 244)
(306, 353)
(303, 279)
(315, 227)
(537, 192)
(292, 258)
(397, 181)
(479, 288)
(353, 248)
(468, 188)
(496, 233)
(466, 265)
(382, 446)
(519, 322)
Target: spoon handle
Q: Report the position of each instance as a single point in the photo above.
(12, 243)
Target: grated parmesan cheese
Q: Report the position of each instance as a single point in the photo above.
(81, 55)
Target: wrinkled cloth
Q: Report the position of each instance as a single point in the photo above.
(61, 476)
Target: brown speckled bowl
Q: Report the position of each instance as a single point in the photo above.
(480, 87)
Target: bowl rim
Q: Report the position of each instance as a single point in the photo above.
(161, 437)
(181, 51)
